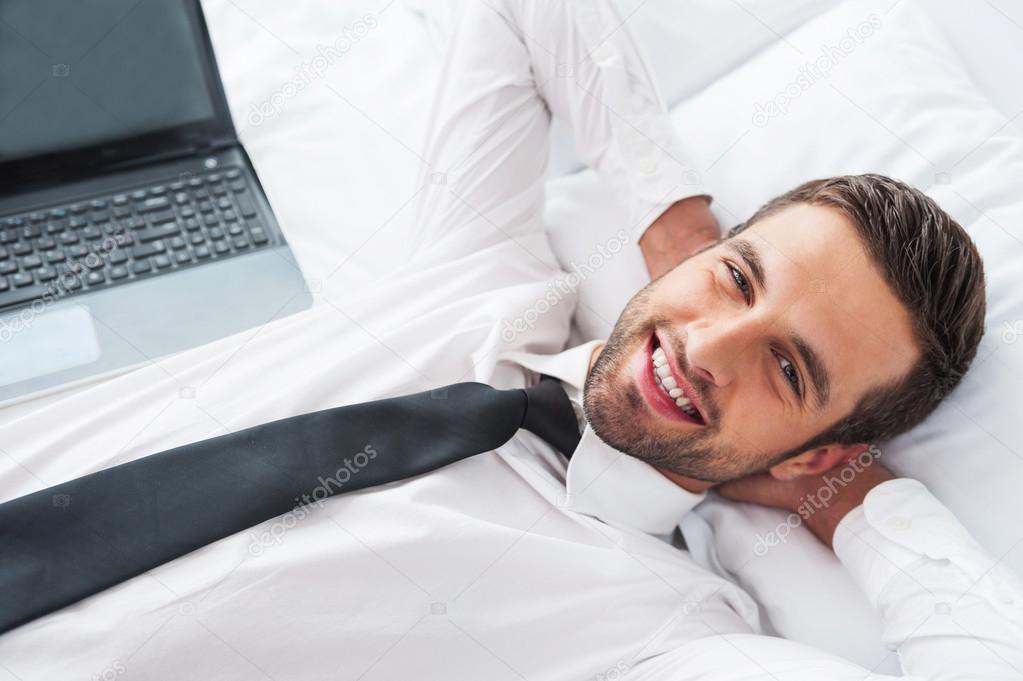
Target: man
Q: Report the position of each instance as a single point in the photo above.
(781, 352)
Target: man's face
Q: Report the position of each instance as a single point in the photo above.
(773, 336)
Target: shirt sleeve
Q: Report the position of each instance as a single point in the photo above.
(592, 75)
(950, 610)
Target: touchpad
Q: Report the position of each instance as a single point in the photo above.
(35, 343)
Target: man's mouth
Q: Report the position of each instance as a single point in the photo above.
(665, 389)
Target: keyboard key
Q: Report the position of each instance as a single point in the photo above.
(3, 287)
(162, 261)
(237, 186)
(101, 216)
(135, 223)
(139, 195)
(95, 262)
(177, 243)
(44, 274)
(120, 200)
(221, 247)
(77, 251)
(224, 204)
(22, 279)
(202, 252)
(45, 244)
(68, 238)
(216, 233)
(182, 257)
(246, 207)
(158, 190)
(37, 217)
(235, 230)
(197, 239)
(201, 194)
(147, 250)
(205, 206)
(118, 256)
(181, 198)
(95, 278)
(219, 190)
(155, 203)
(4, 252)
(121, 211)
(30, 232)
(92, 232)
(162, 216)
(187, 212)
(55, 257)
(153, 233)
(8, 267)
(240, 243)
(21, 248)
(58, 214)
(97, 204)
(54, 228)
(22, 295)
(211, 220)
(177, 186)
(119, 272)
(233, 174)
(77, 223)
(213, 178)
(140, 267)
(31, 261)
(77, 208)
(8, 236)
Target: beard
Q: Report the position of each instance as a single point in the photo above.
(616, 409)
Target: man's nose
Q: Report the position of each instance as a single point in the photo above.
(721, 349)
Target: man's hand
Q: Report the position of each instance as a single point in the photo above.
(821, 500)
(686, 227)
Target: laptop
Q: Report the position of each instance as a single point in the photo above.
(132, 223)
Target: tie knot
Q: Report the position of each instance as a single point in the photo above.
(550, 415)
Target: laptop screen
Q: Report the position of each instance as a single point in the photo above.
(104, 81)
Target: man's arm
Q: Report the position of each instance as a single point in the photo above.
(949, 609)
(684, 229)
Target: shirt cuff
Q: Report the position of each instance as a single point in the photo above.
(899, 526)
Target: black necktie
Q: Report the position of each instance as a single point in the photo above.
(67, 542)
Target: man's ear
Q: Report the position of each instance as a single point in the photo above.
(815, 461)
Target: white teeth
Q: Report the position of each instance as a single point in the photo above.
(667, 383)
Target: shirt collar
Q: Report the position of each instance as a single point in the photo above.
(602, 481)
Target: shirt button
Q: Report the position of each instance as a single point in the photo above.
(897, 522)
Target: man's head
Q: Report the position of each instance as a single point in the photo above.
(840, 314)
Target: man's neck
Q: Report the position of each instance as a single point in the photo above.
(688, 484)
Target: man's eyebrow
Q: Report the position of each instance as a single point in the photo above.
(818, 372)
(748, 253)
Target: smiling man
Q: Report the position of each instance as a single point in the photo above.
(840, 314)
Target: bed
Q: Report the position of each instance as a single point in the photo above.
(329, 99)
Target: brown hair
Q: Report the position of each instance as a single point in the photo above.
(932, 266)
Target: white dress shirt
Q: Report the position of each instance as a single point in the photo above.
(513, 564)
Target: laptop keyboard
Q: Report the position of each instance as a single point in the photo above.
(112, 239)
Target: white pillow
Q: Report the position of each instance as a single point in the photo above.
(897, 101)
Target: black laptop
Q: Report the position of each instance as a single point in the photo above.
(132, 224)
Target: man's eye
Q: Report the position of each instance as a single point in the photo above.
(790, 372)
(741, 283)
